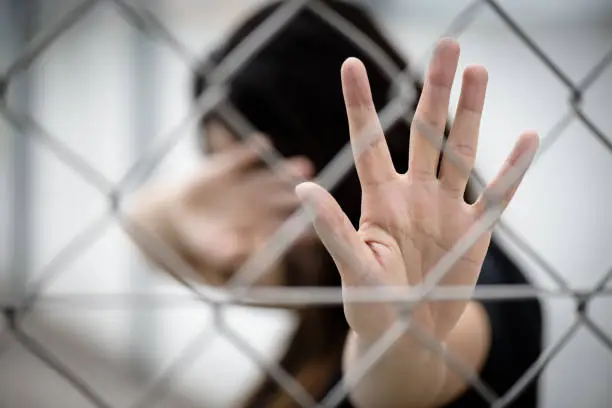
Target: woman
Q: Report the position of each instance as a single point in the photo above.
(387, 223)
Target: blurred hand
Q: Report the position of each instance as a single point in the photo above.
(409, 221)
(231, 207)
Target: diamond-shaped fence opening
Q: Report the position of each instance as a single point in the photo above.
(582, 352)
(545, 111)
(81, 50)
(25, 362)
(572, 257)
(597, 312)
(106, 379)
(595, 100)
(241, 288)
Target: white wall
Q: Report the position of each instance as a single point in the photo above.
(85, 87)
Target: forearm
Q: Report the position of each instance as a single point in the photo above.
(411, 375)
(407, 375)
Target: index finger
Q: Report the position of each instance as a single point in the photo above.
(372, 158)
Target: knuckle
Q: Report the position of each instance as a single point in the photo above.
(464, 150)
(452, 190)
(420, 174)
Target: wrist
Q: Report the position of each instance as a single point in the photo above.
(406, 371)
(406, 347)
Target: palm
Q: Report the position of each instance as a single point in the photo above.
(420, 223)
(410, 221)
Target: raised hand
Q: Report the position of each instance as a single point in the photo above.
(226, 211)
(409, 221)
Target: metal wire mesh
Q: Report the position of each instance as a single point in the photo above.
(240, 289)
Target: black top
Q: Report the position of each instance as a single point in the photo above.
(516, 338)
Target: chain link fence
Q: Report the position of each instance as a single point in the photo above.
(240, 289)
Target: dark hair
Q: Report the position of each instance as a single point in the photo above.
(291, 88)
(291, 91)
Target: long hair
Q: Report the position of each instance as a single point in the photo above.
(291, 91)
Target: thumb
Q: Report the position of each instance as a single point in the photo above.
(348, 250)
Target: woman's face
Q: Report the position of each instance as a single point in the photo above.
(305, 252)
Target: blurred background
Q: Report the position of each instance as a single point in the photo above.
(108, 92)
